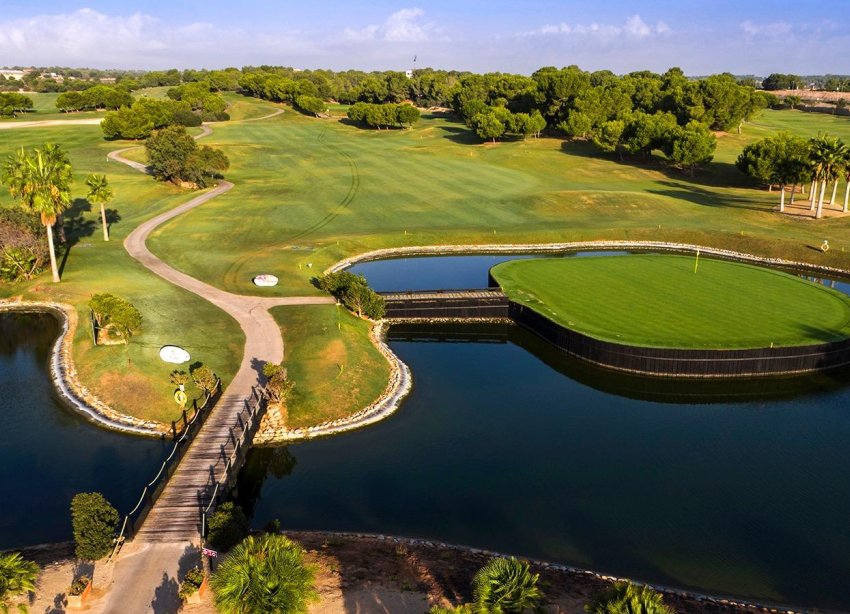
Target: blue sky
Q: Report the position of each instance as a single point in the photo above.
(701, 36)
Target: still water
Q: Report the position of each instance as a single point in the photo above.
(729, 487)
(47, 452)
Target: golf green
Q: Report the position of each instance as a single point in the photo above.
(672, 301)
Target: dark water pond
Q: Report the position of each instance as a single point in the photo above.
(728, 487)
(48, 453)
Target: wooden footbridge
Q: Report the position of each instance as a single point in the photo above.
(473, 304)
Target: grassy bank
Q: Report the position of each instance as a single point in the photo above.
(131, 378)
(671, 301)
(311, 191)
(336, 369)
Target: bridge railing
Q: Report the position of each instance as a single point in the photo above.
(249, 422)
(150, 493)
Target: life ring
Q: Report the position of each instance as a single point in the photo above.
(180, 397)
(824, 246)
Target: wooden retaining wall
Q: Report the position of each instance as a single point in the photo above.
(492, 304)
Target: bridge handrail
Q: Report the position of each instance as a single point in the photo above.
(241, 444)
(151, 493)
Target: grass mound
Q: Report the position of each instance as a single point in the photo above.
(659, 301)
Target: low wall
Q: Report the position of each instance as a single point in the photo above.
(478, 304)
(673, 362)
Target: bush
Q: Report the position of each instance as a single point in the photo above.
(17, 576)
(93, 520)
(203, 377)
(628, 598)
(354, 292)
(505, 586)
(115, 314)
(227, 526)
(79, 585)
(23, 253)
(192, 582)
(278, 385)
(264, 574)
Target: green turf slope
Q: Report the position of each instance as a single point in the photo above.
(659, 301)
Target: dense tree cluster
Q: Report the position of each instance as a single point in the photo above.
(784, 159)
(97, 97)
(146, 115)
(23, 253)
(779, 81)
(355, 293)
(201, 99)
(173, 155)
(386, 115)
(93, 520)
(312, 105)
(12, 103)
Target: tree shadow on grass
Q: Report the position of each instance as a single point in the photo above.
(73, 227)
(706, 198)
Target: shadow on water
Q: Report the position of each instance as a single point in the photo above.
(659, 390)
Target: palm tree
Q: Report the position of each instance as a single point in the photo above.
(17, 577)
(845, 167)
(505, 586)
(264, 574)
(827, 154)
(628, 598)
(40, 180)
(100, 193)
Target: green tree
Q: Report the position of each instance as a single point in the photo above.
(407, 115)
(227, 526)
(488, 126)
(691, 146)
(94, 521)
(115, 314)
(827, 154)
(100, 193)
(505, 586)
(173, 155)
(278, 385)
(264, 574)
(311, 104)
(793, 101)
(204, 377)
(40, 180)
(17, 577)
(628, 598)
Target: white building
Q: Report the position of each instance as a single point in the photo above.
(17, 75)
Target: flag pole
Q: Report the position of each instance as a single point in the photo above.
(696, 262)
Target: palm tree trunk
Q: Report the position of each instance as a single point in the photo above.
(103, 221)
(846, 195)
(793, 191)
(819, 214)
(781, 199)
(814, 194)
(834, 191)
(53, 266)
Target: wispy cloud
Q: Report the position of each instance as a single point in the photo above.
(404, 26)
(634, 28)
(776, 28)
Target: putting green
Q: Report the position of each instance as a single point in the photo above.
(659, 301)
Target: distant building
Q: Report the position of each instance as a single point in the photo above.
(17, 75)
(408, 74)
(107, 79)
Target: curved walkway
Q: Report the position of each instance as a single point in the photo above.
(172, 526)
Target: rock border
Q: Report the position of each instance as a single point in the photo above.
(708, 599)
(67, 380)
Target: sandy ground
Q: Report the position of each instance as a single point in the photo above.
(357, 575)
(94, 121)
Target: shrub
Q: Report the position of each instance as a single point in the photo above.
(17, 576)
(278, 385)
(264, 574)
(116, 314)
(93, 520)
(355, 293)
(79, 585)
(192, 582)
(203, 377)
(505, 586)
(227, 526)
(628, 598)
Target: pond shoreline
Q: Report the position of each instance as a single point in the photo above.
(66, 380)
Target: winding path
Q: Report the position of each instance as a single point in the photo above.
(147, 567)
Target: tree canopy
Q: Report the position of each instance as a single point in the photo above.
(173, 155)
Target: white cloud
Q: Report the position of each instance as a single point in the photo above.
(634, 28)
(404, 26)
(777, 28)
(87, 37)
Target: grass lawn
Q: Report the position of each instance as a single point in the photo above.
(336, 369)
(131, 378)
(311, 191)
(659, 301)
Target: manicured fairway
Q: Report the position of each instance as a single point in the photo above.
(658, 300)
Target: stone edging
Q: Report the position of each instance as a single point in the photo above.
(399, 385)
(437, 545)
(67, 381)
(514, 248)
